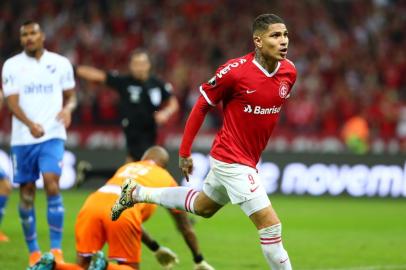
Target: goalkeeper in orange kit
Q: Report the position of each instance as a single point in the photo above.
(94, 227)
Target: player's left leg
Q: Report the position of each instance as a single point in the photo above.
(55, 214)
(246, 190)
(270, 232)
(50, 163)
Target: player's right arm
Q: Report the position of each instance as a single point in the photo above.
(165, 257)
(1, 98)
(91, 74)
(212, 93)
(185, 228)
(11, 91)
(35, 128)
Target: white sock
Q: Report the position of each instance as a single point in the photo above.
(181, 198)
(271, 243)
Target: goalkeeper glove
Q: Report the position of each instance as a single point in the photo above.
(166, 258)
(203, 265)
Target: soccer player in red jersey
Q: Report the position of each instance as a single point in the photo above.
(253, 89)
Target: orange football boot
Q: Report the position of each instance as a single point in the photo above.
(34, 257)
(3, 237)
(58, 254)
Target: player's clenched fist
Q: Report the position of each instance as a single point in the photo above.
(36, 130)
(186, 165)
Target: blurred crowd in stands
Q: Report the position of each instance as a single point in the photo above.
(350, 55)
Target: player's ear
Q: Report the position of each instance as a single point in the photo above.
(257, 41)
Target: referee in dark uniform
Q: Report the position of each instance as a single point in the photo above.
(145, 101)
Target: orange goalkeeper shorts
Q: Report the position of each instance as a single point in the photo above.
(94, 228)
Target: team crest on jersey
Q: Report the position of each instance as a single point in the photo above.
(51, 68)
(284, 89)
(212, 81)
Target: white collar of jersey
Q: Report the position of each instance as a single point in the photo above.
(44, 54)
(264, 70)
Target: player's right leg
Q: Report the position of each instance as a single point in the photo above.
(28, 220)
(26, 171)
(245, 189)
(182, 198)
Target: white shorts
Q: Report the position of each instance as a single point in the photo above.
(237, 183)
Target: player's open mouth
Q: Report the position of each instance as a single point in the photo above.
(283, 51)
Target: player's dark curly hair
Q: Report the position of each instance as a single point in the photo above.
(262, 22)
(28, 22)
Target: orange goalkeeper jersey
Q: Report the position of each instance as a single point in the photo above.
(94, 227)
(146, 173)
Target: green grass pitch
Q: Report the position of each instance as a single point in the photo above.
(319, 233)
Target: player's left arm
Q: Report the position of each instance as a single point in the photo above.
(70, 103)
(149, 241)
(170, 107)
(69, 95)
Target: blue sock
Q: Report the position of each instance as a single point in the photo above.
(55, 220)
(27, 217)
(3, 201)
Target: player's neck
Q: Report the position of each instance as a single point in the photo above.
(35, 54)
(268, 64)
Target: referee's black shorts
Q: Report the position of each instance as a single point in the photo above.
(137, 144)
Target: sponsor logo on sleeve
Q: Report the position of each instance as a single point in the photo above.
(227, 68)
